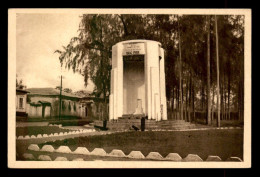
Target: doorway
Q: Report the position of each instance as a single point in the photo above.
(133, 83)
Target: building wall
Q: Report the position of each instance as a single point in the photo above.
(35, 111)
(55, 103)
(47, 111)
(21, 106)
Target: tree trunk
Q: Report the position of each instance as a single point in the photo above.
(217, 58)
(178, 103)
(173, 104)
(229, 88)
(193, 102)
(208, 72)
(186, 101)
(239, 101)
(180, 70)
(242, 94)
(190, 97)
(202, 94)
(203, 100)
(225, 98)
(212, 106)
(221, 101)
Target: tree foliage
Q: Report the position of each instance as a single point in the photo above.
(90, 52)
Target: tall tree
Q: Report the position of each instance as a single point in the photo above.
(208, 70)
(217, 61)
(180, 70)
(192, 46)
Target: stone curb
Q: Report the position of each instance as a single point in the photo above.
(44, 158)
(213, 158)
(63, 149)
(132, 154)
(154, 156)
(117, 153)
(99, 152)
(81, 150)
(54, 135)
(48, 148)
(136, 155)
(192, 158)
(120, 153)
(234, 159)
(196, 129)
(33, 147)
(81, 131)
(61, 159)
(173, 157)
(28, 156)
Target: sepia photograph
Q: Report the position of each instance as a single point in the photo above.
(129, 88)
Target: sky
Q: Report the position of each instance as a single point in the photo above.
(37, 37)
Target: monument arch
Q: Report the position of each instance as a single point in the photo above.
(138, 80)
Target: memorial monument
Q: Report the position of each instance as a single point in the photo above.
(138, 80)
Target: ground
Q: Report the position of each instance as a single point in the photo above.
(221, 142)
(224, 143)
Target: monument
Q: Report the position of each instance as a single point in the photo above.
(138, 80)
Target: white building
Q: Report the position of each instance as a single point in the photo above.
(138, 80)
(20, 102)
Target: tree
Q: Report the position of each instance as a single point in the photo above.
(180, 69)
(198, 51)
(19, 84)
(208, 71)
(67, 90)
(217, 61)
(90, 53)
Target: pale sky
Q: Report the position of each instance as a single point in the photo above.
(38, 36)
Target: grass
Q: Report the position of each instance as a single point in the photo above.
(22, 131)
(224, 143)
(65, 121)
(223, 123)
(71, 122)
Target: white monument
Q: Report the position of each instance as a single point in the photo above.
(138, 80)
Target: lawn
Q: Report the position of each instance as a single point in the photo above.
(71, 122)
(21, 131)
(224, 143)
(223, 123)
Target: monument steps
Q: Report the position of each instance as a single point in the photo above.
(126, 124)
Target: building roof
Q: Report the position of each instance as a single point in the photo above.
(83, 94)
(50, 92)
(23, 91)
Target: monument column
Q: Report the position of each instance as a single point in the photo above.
(154, 86)
(120, 88)
(162, 85)
(116, 96)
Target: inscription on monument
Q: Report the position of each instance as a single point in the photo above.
(134, 49)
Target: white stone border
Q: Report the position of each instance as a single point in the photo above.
(119, 153)
(74, 132)
(196, 129)
(81, 131)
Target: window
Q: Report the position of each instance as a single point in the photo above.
(75, 106)
(63, 105)
(69, 106)
(20, 103)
